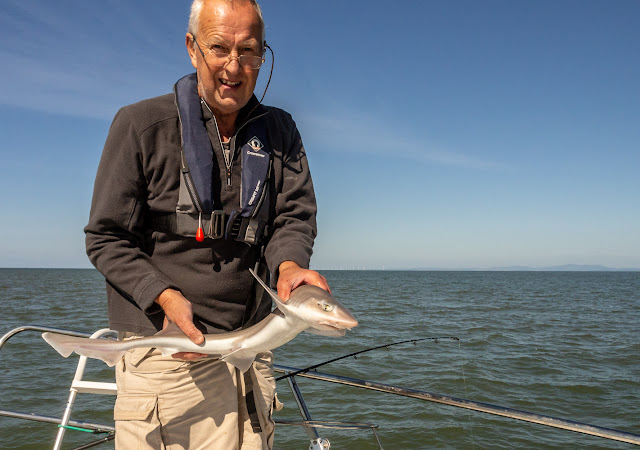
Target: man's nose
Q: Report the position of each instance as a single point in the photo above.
(233, 62)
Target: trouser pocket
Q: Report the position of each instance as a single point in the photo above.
(135, 406)
(137, 422)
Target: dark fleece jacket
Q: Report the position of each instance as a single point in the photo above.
(139, 172)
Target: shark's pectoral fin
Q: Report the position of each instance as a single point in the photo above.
(241, 358)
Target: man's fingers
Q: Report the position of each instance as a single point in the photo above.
(293, 276)
(189, 356)
(284, 290)
(178, 309)
(188, 328)
(313, 278)
(321, 282)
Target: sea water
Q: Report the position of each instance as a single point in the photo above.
(564, 344)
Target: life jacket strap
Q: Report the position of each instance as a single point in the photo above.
(217, 225)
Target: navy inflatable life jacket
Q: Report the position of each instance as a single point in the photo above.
(196, 209)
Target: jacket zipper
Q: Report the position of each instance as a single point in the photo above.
(228, 157)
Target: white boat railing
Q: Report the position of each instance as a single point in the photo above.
(79, 385)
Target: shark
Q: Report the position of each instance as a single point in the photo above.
(309, 308)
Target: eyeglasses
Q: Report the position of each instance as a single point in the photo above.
(220, 57)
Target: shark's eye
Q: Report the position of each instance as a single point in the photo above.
(327, 307)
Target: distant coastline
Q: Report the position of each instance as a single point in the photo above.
(566, 268)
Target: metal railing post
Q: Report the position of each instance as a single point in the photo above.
(317, 443)
(73, 392)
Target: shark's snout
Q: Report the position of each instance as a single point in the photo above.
(350, 323)
(344, 321)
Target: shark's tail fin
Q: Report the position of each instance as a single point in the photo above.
(106, 350)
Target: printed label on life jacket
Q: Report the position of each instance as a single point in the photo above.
(255, 165)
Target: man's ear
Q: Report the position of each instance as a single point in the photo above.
(190, 43)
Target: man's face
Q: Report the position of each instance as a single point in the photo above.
(237, 30)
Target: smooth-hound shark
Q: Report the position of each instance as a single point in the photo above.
(309, 308)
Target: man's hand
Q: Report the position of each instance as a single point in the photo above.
(178, 309)
(291, 275)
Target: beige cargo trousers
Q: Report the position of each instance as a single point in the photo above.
(164, 403)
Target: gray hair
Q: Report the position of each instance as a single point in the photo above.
(196, 8)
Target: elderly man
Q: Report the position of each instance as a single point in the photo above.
(193, 189)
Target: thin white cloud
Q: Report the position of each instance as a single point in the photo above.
(83, 61)
(365, 133)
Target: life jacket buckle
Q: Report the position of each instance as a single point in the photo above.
(217, 224)
(234, 226)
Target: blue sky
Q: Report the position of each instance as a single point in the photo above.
(440, 134)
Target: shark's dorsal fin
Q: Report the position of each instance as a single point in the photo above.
(281, 304)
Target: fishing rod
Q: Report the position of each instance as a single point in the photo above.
(354, 354)
(497, 410)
